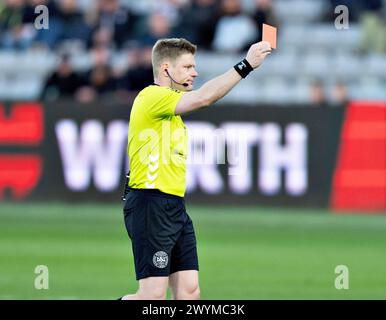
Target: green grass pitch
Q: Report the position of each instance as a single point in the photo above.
(245, 253)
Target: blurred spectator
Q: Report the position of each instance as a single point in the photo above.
(339, 96)
(118, 19)
(102, 37)
(169, 9)
(317, 94)
(234, 30)
(97, 83)
(64, 82)
(100, 79)
(72, 22)
(13, 33)
(373, 23)
(140, 73)
(372, 5)
(100, 55)
(158, 27)
(46, 38)
(198, 22)
(29, 14)
(264, 13)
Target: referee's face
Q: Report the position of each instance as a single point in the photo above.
(184, 71)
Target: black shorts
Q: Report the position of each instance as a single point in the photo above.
(161, 232)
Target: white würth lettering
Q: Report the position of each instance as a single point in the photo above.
(90, 152)
(239, 157)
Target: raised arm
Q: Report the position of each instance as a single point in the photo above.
(215, 89)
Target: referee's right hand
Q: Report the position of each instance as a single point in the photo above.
(257, 53)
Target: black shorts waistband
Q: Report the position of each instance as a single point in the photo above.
(156, 192)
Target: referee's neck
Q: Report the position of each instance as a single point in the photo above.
(162, 82)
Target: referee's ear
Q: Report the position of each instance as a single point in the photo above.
(164, 68)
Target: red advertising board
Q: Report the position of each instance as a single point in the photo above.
(360, 176)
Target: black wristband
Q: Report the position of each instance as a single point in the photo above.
(243, 68)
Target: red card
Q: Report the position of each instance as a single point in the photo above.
(270, 35)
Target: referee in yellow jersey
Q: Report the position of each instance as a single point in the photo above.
(161, 232)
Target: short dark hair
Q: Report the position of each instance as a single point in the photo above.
(170, 48)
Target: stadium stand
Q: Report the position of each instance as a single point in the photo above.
(115, 34)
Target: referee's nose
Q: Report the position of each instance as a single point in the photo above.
(194, 73)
